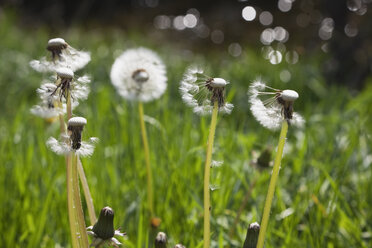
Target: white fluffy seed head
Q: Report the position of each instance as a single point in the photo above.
(139, 74)
(56, 42)
(218, 83)
(65, 72)
(289, 95)
(77, 121)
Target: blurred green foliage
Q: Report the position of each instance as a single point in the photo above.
(323, 198)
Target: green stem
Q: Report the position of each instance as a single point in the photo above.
(207, 171)
(70, 202)
(81, 232)
(88, 196)
(150, 197)
(274, 178)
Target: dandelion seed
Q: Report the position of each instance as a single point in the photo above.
(216, 163)
(62, 55)
(272, 111)
(103, 231)
(139, 75)
(179, 246)
(200, 92)
(214, 187)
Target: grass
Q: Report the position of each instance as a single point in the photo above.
(323, 194)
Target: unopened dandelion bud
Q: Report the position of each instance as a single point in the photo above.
(252, 235)
(76, 126)
(140, 76)
(104, 228)
(55, 46)
(179, 246)
(161, 240)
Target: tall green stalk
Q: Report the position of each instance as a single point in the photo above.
(83, 179)
(207, 172)
(81, 232)
(70, 203)
(273, 180)
(150, 194)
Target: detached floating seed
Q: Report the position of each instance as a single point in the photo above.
(76, 126)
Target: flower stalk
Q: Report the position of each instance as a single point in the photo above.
(150, 194)
(273, 180)
(207, 169)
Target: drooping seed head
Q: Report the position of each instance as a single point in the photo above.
(289, 95)
(104, 228)
(161, 240)
(65, 73)
(140, 76)
(218, 83)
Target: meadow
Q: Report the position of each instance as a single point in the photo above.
(323, 197)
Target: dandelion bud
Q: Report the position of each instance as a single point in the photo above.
(55, 46)
(161, 240)
(76, 126)
(104, 228)
(179, 246)
(252, 235)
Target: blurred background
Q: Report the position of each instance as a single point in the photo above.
(322, 49)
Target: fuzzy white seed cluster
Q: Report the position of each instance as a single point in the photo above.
(63, 55)
(269, 112)
(139, 75)
(198, 91)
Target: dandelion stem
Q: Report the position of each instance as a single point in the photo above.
(88, 196)
(81, 231)
(70, 203)
(150, 198)
(271, 190)
(69, 107)
(207, 171)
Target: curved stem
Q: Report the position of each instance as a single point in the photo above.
(273, 180)
(88, 196)
(207, 171)
(81, 232)
(150, 197)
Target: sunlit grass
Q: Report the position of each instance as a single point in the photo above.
(329, 161)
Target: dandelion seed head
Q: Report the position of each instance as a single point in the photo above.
(45, 111)
(200, 92)
(63, 55)
(272, 111)
(139, 74)
(289, 95)
(161, 238)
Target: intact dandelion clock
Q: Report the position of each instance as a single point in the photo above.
(278, 107)
(272, 113)
(201, 92)
(139, 75)
(62, 55)
(206, 95)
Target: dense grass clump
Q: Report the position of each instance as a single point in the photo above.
(323, 196)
